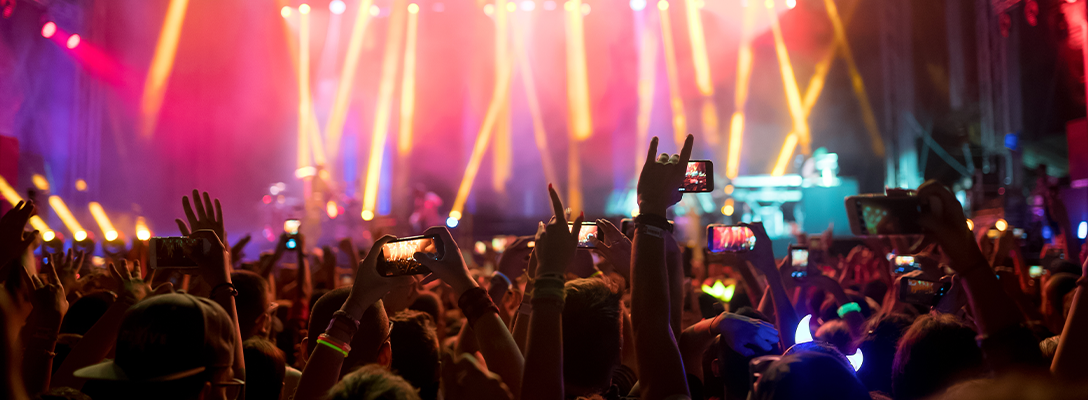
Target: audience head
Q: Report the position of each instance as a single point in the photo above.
(812, 375)
(415, 351)
(370, 343)
(591, 336)
(194, 333)
(879, 347)
(372, 382)
(83, 313)
(266, 366)
(253, 302)
(936, 352)
(836, 333)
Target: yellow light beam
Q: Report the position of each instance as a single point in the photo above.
(855, 78)
(740, 98)
(540, 135)
(785, 155)
(99, 214)
(581, 122)
(386, 86)
(501, 159)
(78, 233)
(408, 83)
(701, 63)
(304, 99)
(162, 63)
(647, 71)
(142, 232)
(679, 120)
(334, 129)
(793, 94)
(498, 97)
(13, 197)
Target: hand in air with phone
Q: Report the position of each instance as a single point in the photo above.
(369, 285)
(450, 265)
(661, 178)
(557, 243)
(942, 216)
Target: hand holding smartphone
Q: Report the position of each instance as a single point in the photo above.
(904, 264)
(729, 238)
(699, 177)
(922, 292)
(397, 257)
(799, 262)
(290, 227)
(879, 215)
(170, 252)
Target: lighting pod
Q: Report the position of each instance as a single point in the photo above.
(803, 335)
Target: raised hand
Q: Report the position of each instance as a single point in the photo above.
(215, 262)
(762, 256)
(48, 299)
(515, 259)
(465, 380)
(450, 268)
(661, 177)
(942, 216)
(557, 243)
(745, 335)
(65, 267)
(236, 251)
(369, 284)
(13, 240)
(614, 246)
(206, 216)
(129, 283)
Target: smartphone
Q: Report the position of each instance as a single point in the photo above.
(879, 215)
(290, 227)
(1019, 233)
(627, 226)
(799, 261)
(169, 252)
(922, 292)
(589, 231)
(904, 264)
(699, 177)
(729, 238)
(1035, 271)
(398, 257)
(531, 244)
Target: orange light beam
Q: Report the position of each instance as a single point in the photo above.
(679, 120)
(785, 155)
(408, 83)
(103, 220)
(66, 216)
(499, 97)
(855, 78)
(304, 99)
(581, 121)
(647, 71)
(540, 135)
(162, 63)
(702, 71)
(386, 86)
(334, 129)
(740, 98)
(793, 94)
(13, 197)
(500, 150)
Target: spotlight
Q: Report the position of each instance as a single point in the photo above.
(111, 236)
(413, 8)
(73, 41)
(1082, 230)
(511, 7)
(337, 7)
(80, 236)
(48, 236)
(585, 9)
(455, 214)
(528, 5)
(638, 5)
(285, 12)
(489, 9)
(49, 29)
(331, 209)
(1001, 225)
(375, 10)
(142, 232)
(40, 182)
(304, 9)
(970, 225)
(451, 222)
(662, 5)
(367, 215)
(791, 4)
(81, 185)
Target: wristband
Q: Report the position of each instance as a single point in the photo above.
(341, 347)
(233, 291)
(654, 221)
(651, 230)
(476, 303)
(849, 308)
(343, 322)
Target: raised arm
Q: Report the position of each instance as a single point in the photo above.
(661, 367)
(39, 335)
(1071, 358)
(762, 258)
(500, 353)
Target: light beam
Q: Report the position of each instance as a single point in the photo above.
(103, 221)
(793, 94)
(304, 99)
(740, 98)
(334, 129)
(162, 63)
(13, 197)
(386, 86)
(66, 216)
(855, 79)
(408, 83)
(581, 122)
(679, 120)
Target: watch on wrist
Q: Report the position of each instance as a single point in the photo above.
(656, 221)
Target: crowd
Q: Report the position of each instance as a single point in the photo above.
(544, 325)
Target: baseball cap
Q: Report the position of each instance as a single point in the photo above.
(168, 337)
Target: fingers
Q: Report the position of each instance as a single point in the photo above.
(209, 209)
(165, 288)
(744, 351)
(372, 256)
(150, 273)
(36, 282)
(557, 206)
(182, 227)
(188, 208)
(218, 211)
(663, 158)
(576, 230)
(52, 274)
(651, 155)
(201, 213)
(116, 274)
(685, 153)
(77, 263)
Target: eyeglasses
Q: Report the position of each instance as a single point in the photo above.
(232, 388)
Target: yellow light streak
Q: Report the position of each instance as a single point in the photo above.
(647, 71)
(386, 86)
(540, 135)
(785, 155)
(793, 94)
(13, 197)
(698, 50)
(679, 120)
(500, 171)
(408, 83)
(103, 221)
(740, 97)
(66, 216)
(162, 63)
(856, 81)
(304, 107)
(40, 182)
(334, 129)
(581, 122)
(142, 232)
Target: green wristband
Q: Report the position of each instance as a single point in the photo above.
(848, 308)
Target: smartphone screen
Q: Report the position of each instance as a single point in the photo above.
(921, 291)
(290, 226)
(589, 231)
(169, 252)
(1019, 233)
(1035, 271)
(398, 256)
(729, 238)
(883, 215)
(699, 177)
(904, 264)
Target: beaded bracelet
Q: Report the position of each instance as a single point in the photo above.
(848, 308)
(341, 347)
(343, 322)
